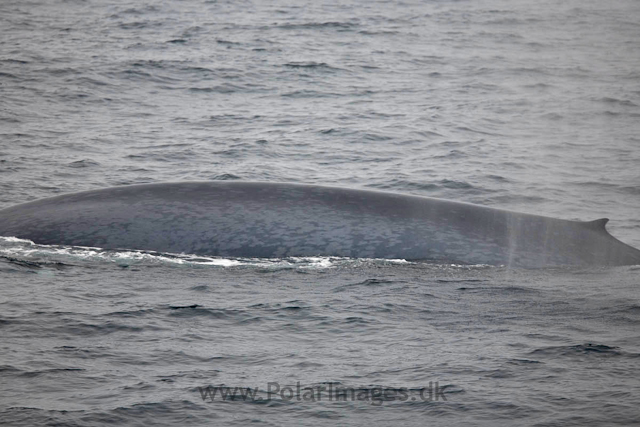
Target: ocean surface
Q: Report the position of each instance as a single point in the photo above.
(527, 106)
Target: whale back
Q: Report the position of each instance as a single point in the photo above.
(250, 219)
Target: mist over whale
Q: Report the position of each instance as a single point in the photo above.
(273, 220)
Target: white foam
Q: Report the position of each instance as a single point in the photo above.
(26, 249)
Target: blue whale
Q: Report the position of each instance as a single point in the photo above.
(274, 220)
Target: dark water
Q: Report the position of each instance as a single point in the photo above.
(516, 105)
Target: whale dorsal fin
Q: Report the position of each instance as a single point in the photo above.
(597, 224)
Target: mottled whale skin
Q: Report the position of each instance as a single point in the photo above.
(273, 220)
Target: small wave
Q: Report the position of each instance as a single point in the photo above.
(378, 33)
(499, 178)
(615, 101)
(320, 66)
(14, 61)
(131, 313)
(169, 412)
(30, 265)
(538, 86)
(318, 25)
(447, 183)
(70, 327)
(139, 25)
(628, 309)
(227, 42)
(305, 93)
(223, 89)
(225, 177)
(588, 350)
(493, 290)
(523, 362)
(53, 371)
(84, 163)
(366, 283)
(196, 310)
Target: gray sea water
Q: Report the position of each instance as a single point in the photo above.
(528, 106)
